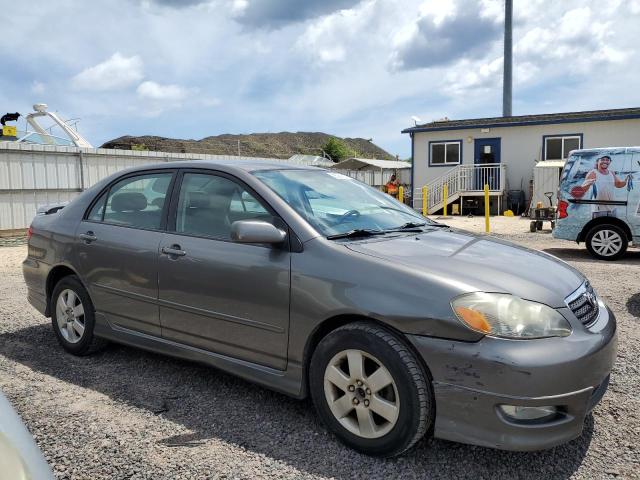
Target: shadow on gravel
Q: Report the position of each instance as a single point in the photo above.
(633, 305)
(214, 405)
(580, 254)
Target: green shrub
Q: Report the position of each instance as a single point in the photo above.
(337, 150)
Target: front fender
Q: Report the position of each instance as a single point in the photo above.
(356, 285)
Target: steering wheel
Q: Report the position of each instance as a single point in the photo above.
(350, 213)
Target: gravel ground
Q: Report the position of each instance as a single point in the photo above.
(126, 413)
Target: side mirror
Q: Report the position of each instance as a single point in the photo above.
(256, 231)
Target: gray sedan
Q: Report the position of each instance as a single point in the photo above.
(313, 284)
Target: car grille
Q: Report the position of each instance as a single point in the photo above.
(584, 304)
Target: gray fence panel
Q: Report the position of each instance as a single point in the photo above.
(35, 175)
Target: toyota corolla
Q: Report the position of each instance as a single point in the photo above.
(313, 284)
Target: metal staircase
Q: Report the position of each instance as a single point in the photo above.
(462, 181)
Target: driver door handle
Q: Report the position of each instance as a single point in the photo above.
(88, 237)
(173, 251)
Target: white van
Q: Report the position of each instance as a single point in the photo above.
(599, 200)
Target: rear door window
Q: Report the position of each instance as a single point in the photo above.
(138, 201)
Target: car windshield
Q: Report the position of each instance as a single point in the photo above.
(336, 204)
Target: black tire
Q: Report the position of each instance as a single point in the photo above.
(539, 225)
(415, 400)
(596, 234)
(532, 227)
(87, 343)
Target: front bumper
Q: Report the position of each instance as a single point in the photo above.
(470, 381)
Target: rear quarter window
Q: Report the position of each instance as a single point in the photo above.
(96, 212)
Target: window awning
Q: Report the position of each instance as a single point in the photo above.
(551, 164)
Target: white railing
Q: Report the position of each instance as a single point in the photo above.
(462, 179)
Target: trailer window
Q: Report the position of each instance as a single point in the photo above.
(444, 153)
(558, 147)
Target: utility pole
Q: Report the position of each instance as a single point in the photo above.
(238, 147)
(507, 80)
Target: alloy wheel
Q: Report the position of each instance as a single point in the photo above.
(606, 242)
(70, 316)
(361, 393)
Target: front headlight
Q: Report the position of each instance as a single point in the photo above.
(504, 315)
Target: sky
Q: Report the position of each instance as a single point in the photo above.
(352, 68)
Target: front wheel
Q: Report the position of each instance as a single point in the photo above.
(370, 390)
(607, 242)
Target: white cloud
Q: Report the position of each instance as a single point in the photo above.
(37, 87)
(115, 73)
(158, 98)
(164, 93)
(238, 7)
(332, 37)
(210, 102)
(326, 68)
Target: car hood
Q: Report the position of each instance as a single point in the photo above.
(470, 262)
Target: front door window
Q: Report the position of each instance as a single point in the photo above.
(209, 204)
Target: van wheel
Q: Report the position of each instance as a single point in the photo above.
(370, 390)
(532, 227)
(607, 242)
(73, 317)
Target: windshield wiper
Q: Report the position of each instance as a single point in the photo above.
(410, 225)
(356, 232)
(415, 226)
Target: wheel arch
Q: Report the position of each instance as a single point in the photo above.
(333, 323)
(56, 274)
(582, 236)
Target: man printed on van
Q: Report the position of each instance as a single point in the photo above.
(602, 183)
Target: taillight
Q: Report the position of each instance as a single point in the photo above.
(562, 209)
(29, 233)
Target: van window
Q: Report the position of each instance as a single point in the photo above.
(597, 183)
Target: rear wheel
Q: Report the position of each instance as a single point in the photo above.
(607, 242)
(73, 317)
(370, 390)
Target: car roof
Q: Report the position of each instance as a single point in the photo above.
(229, 165)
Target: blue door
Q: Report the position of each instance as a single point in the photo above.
(487, 152)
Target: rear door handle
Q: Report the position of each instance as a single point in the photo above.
(173, 251)
(88, 237)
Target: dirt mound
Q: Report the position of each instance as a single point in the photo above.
(275, 145)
